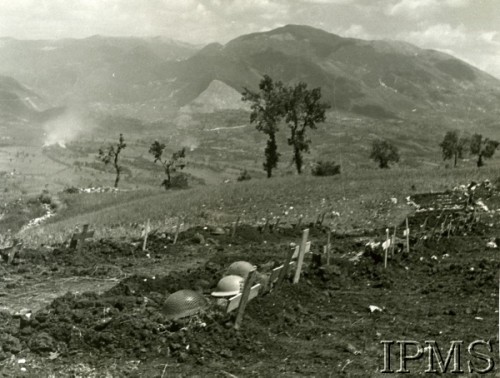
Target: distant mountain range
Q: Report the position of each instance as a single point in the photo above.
(20, 103)
(377, 79)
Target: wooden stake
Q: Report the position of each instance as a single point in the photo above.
(244, 298)
(235, 226)
(328, 237)
(146, 233)
(302, 251)
(235, 301)
(322, 219)
(407, 237)
(266, 224)
(177, 229)
(286, 267)
(277, 223)
(299, 222)
(386, 249)
(393, 241)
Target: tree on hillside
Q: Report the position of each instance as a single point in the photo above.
(267, 111)
(482, 147)
(303, 110)
(384, 153)
(170, 166)
(111, 155)
(453, 146)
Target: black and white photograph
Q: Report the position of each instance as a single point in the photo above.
(249, 188)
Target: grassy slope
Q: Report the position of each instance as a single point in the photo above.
(363, 199)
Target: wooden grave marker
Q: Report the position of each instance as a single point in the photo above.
(393, 241)
(245, 295)
(328, 246)
(297, 249)
(276, 273)
(235, 301)
(285, 268)
(407, 234)
(300, 259)
(177, 229)
(12, 251)
(385, 246)
(78, 239)
(235, 226)
(145, 235)
(299, 222)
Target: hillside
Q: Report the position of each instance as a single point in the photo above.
(91, 70)
(218, 96)
(380, 79)
(18, 102)
(146, 76)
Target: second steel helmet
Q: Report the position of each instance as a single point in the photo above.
(240, 268)
(229, 286)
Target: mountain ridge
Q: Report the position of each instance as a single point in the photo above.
(379, 79)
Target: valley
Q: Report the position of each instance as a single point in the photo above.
(98, 309)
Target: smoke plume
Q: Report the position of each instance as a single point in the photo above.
(66, 128)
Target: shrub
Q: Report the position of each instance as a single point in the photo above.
(71, 190)
(326, 168)
(45, 197)
(178, 181)
(244, 176)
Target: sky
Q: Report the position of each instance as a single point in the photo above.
(467, 29)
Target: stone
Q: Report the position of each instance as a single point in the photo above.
(41, 342)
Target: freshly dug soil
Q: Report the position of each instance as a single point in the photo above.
(445, 289)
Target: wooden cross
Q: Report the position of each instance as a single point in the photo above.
(245, 295)
(76, 238)
(302, 251)
(146, 231)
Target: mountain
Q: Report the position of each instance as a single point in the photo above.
(95, 69)
(217, 97)
(379, 79)
(149, 77)
(18, 102)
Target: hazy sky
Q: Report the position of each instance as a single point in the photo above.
(468, 29)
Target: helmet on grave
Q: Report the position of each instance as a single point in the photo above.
(229, 286)
(183, 303)
(240, 268)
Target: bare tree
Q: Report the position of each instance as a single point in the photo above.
(111, 155)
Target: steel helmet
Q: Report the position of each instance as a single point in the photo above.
(229, 286)
(240, 268)
(184, 303)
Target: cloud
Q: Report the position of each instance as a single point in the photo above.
(420, 8)
(356, 31)
(439, 35)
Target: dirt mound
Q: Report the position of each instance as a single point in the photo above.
(330, 323)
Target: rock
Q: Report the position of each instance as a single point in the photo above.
(212, 241)
(198, 238)
(41, 342)
(182, 357)
(218, 231)
(226, 353)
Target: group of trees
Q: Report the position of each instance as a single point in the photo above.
(299, 107)
(454, 146)
(176, 161)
